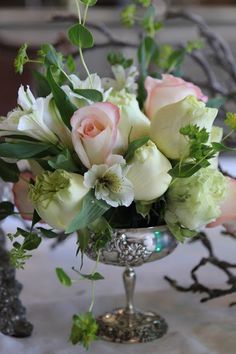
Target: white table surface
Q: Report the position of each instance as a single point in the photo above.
(194, 328)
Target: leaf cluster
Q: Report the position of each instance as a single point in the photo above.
(84, 329)
(200, 152)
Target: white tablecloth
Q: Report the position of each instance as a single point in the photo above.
(194, 328)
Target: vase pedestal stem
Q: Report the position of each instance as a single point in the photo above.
(129, 277)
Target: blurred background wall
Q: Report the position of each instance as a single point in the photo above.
(30, 21)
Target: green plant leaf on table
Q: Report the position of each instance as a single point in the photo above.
(84, 329)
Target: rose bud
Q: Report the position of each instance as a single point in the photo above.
(168, 90)
(148, 172)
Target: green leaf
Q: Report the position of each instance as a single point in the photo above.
(136, 144)
(230, 120)
(80, 36)
(18, 257)
(84, 329)
(63, 277)
(36, 219)
(94, 277)
(26, 150)
(92, 95)
(50, 56)
(71, 65)
(181, 233)
(91, 210)
(216, 102)
(64, 161)
(83, 239)
(119, 59)
(21, 59)
(31, 242)
(47, 233)
(6, 209)
(42, 86)
(9, 172)
(89, 2)
(186, 169)
(176, 59)
(65, 107)
(218, 147)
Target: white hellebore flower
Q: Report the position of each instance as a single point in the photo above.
(57, 197)
(166, 124)
(28, 119)
(148, 171)
(133, 123)
(110, 184)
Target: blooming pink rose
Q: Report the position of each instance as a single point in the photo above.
(169, 90)
(94, 132)
(228, 207)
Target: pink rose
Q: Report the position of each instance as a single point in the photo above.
(228, 207)
(94, 132)
(169, 90)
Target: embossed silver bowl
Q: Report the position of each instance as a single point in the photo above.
(131, 248)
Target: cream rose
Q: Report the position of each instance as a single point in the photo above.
(148, 172)
(94, 132)
(168, 90)
(57, 196)
(166, 124)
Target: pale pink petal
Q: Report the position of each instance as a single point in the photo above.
(228, 207)
(20, 192)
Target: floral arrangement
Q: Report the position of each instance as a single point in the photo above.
(136, 150)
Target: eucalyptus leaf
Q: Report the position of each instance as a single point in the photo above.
(9, 172)
(63, 277)
(80, 36)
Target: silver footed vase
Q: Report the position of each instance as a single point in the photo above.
(130, 248)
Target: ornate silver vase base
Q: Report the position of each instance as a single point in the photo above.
(131, 248)
(121, 327)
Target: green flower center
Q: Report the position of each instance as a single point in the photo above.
(47, 185)
(111, 181)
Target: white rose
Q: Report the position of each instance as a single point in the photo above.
(133, 123)
(148, 172)
(57, 197)
(166, 124)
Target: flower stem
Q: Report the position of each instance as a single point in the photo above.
(78, 10)
(85, 14)
(85, 67)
